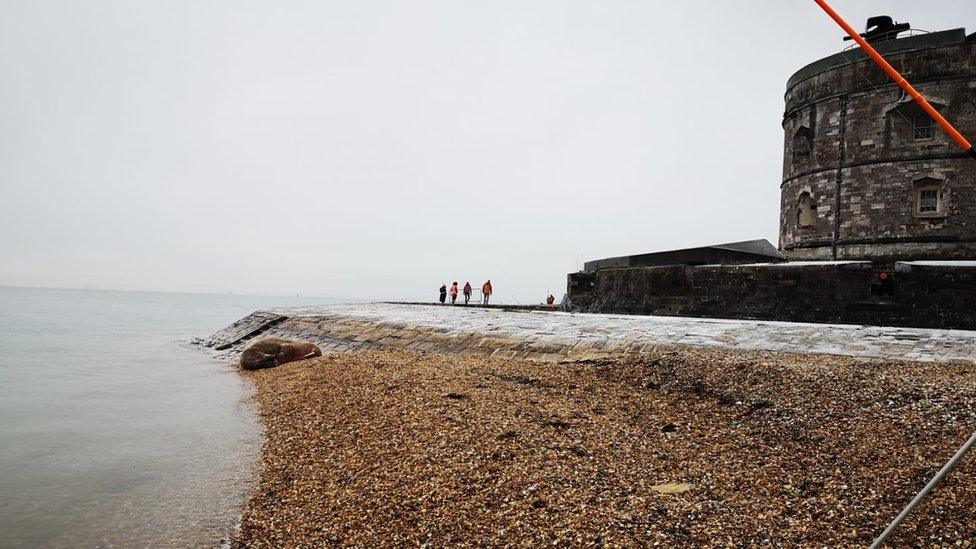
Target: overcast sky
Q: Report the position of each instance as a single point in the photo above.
(372, 149)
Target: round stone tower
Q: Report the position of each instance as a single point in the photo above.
(868, 175)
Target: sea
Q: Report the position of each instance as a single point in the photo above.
(115, 430)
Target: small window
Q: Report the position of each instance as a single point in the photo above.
(806, 210)
(929, 200)
(923, 127)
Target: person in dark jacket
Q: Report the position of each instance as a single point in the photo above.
(443, 292)
(467, 292)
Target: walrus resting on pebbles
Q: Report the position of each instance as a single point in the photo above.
(272, 351)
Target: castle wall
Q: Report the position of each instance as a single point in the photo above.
(848, 128)
(926, 296)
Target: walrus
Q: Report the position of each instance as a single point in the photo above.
(272, 351)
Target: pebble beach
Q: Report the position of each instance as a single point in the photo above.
(675, 446)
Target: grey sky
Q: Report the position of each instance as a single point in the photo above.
(377, 149)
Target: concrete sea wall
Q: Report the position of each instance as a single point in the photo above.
(558, 336)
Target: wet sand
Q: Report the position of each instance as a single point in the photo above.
(395, 447)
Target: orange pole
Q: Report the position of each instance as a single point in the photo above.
(899, 79)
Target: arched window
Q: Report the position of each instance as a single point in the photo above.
(922, 127)
(806, 210)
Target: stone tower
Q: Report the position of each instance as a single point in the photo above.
(868, 175)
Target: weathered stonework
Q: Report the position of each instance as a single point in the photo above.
(920, 295)
(854, 161)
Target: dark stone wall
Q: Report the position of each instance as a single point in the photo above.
(843, 113)
(945, 294)
(847, 293)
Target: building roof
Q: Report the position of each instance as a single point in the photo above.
(731, 253)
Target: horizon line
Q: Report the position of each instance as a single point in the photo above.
(231, 293)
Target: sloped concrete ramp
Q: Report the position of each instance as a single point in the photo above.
(557, 336)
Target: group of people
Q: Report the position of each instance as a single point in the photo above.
(466, 291)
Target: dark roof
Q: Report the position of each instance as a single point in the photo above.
(732, 253)
(760, 246)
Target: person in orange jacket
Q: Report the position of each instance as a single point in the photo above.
(467, 292)
(485, 292)
(454, 293)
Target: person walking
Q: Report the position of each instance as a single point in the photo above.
(443, 293)
(454, 293)
(467, 292)
(485, 292)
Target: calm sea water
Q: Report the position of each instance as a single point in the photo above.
(113, 430)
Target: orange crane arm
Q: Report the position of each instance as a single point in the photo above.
(899, 79)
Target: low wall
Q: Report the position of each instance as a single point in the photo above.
(933, 295)
(342, 332)
(550, 336)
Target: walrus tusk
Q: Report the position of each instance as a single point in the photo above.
(309, 355)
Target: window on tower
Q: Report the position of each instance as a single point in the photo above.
(907, 125)
(922, 125)
(929, 197)
(928, 201)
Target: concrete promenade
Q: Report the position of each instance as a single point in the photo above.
(555, 336)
